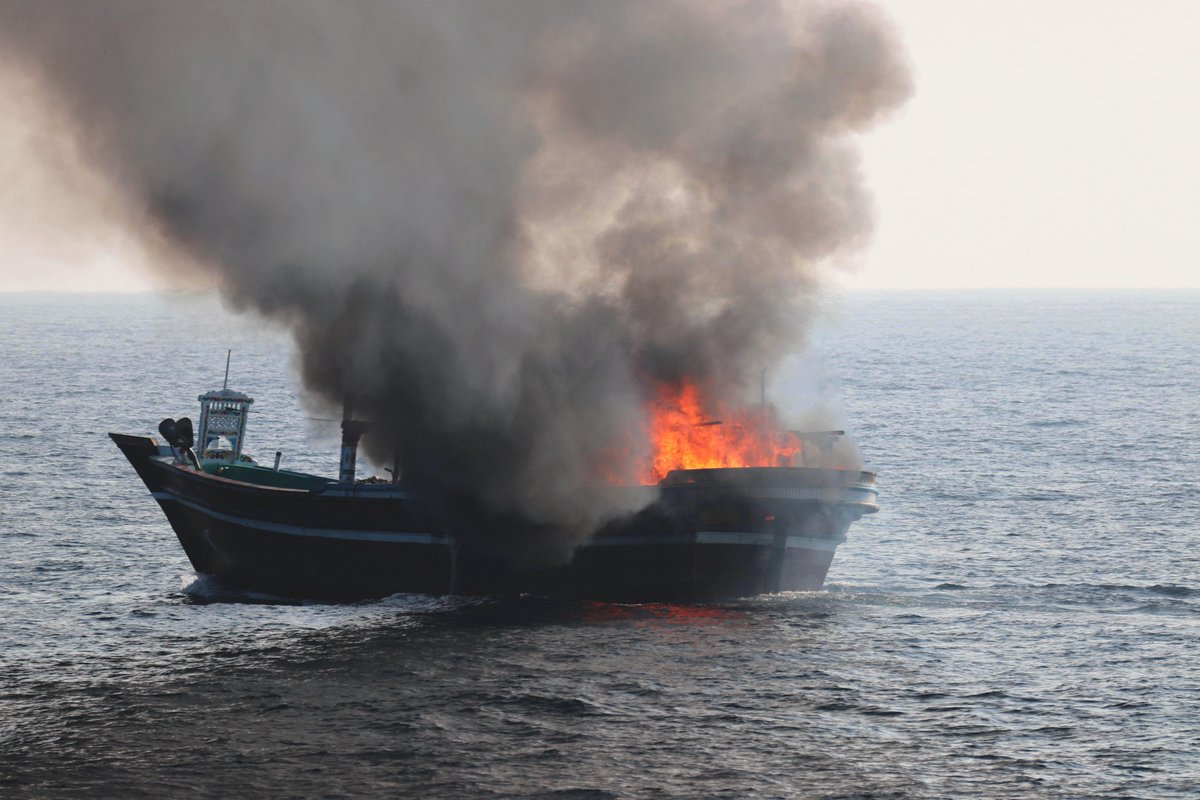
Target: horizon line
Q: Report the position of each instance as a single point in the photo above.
(825, 290)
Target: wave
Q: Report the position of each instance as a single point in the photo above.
(1172, 590)
(1166, 589)
(565, 706)
(205, 589)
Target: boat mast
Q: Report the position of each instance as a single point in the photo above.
(223, 415)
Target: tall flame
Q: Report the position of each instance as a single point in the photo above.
(687, 433)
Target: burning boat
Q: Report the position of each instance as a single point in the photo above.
(733, 516)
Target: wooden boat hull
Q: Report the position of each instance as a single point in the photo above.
(710, 534)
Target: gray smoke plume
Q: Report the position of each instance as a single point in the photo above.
(499, 226)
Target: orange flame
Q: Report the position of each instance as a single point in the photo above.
(686, 433)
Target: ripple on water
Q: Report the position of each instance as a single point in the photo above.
(1018, 620)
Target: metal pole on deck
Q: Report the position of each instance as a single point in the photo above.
(351, 430)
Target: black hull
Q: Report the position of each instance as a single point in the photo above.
(718, 534)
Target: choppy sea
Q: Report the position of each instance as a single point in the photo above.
(1022, 619)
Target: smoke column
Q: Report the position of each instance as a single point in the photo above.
(498, 226)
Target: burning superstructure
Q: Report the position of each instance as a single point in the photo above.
(687, 433)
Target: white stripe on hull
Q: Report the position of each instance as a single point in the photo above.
(717, 537)
(700, 537)
(320, 533)
(767, 539)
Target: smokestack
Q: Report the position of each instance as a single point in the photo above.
(352, 430)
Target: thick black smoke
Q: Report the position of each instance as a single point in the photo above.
(498, 225)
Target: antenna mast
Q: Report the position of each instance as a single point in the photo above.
(228, 355)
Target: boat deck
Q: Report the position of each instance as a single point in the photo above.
(265, 476)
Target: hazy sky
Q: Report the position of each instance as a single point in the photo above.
(1054, 144)
(1048, 144)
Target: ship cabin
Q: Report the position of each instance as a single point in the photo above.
(222, 431)
(221, 437)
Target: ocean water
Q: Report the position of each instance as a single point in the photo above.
(1022, 619)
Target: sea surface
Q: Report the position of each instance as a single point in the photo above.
(1022, 618)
